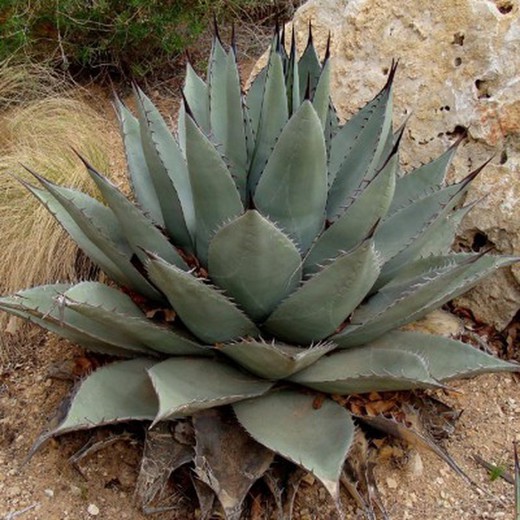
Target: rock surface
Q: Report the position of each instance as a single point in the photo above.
(459, 69)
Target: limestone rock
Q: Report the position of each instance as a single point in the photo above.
(438, 322)
(459, 69)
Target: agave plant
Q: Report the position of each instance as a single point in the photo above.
(290, 248)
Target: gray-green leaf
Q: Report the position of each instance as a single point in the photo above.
(324, 301)
(292, 190)
(115, 310)
(206, 312)
(446, 358)
(118, 392)
(366, 369)
(187, 385)
(255, 263)
(317, 439)
(215, 195)
(274, 360)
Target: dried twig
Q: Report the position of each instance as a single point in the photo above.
(517, 482)
(14, 514)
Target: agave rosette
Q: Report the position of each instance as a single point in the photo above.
(290, 248)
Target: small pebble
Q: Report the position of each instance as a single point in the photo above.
(49, 493)
(415, 464)
(75, 490)
(391, 483)
(309, 479)
(93, 510)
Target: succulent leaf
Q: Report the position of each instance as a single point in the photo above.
(178, 396)
(367, 369)
(292, 190)
(315, 438)
(309, 69)
(137, 228)
(420, 182)
(208, 314)
(46, 306)
(255, 263)
(359, 219)
(274, 360)
(321, 98)
(254, 99)
(214, 192)
(114, 309)
(401, 236)
(362, 158)
(196, 92)
(96, 230)
(168, 171)
(139, 175)
(324, 301)
(440, 241)
(274, 114)
(292, 78)
(445, 358)
(344, 140)
(409, 299)
(119, 392)
(217, 82)
(235, 144)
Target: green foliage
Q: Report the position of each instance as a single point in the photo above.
(130, 37)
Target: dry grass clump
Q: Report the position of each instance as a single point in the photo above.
(21, 83)
(40, 132)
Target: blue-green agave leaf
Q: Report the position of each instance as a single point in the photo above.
(401, 236)
(255, 263)
(309, 69)
(215, 194)
(359, 218)
(186, 385)
(140, 178)
(422, 181)
(235, 144)
(140, 232)
(168, 171)
(196, 93)
(292, 190)
(274, 360)
(366, 369)
(292, 78)
(96, 231)
(445, 358)
(324, 301)
(116, 310)
(274, 114)
(45, 306)
(114, 393)
(217, 81)
(321, 98)
(410, 297)
(440, 242)
(356, 151)
(315, 438)
(254, 98)
(331, 126)
(206, 311)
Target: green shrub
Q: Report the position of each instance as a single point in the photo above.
(130, 37)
